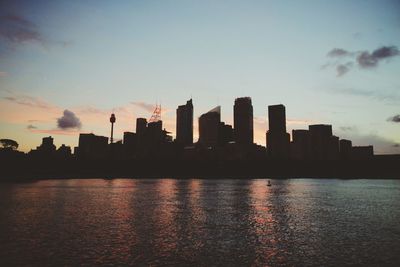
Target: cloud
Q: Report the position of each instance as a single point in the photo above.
(30, 101)
(395, 118)
(16, 29)
(54, 131)
(69, 121)
(363, 59)
(31, 127)
(388, 97)
(93, 110)
(338, 52)
(143, 105)
(342, 69)
(371, 60)
(347, 128)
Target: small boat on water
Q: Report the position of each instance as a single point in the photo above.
(269, 183)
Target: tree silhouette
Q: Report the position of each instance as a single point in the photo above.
(8, 143)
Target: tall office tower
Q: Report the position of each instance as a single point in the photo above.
(92, 146)
(321, 141)
(184, 124)
(154, 132)
(141, 125)
(225, 133)
(278, 140)
(130, 142)
(345, 148)
(243, 120)
(209, 126)
(299, 148)
(333, 149)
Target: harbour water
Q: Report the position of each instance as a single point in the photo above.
(170, 222)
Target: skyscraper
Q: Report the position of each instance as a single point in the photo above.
(92, 146)
(184, 123)
(278, 140)
(299, 148)
(320, 141)
(209, 126)
(243, 120)
(141, 125)
(345, 148)
(225, 133)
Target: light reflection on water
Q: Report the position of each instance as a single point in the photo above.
(297, 222)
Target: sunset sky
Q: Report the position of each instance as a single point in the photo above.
(65, 66)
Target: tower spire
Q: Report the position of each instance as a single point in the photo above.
(112, 120)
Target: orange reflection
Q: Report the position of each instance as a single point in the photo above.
(263, 222)
(165, 223)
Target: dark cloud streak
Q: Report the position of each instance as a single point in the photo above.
(371, 60)
(363, 59)
(338, 52)
(395, 118)
(16, 29)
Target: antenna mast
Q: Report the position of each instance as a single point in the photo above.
(156, 114)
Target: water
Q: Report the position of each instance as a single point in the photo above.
(169, 222)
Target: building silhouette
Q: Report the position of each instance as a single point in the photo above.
(225, 134)
(141, 125)
(209, 127)
(243, 121)
(323, 144)
(184, 124)
(47, 145)
(333, 149)
(129, 144)
(46, 149)
(362, 152)
(278, 140)
(299, 147)
(92, 146)
(64, 151)
(345, 148)
(154, 133)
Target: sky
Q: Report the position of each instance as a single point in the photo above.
(65, 66)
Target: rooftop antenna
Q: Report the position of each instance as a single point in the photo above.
(156, 116)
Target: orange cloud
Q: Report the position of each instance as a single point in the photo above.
(54, 131)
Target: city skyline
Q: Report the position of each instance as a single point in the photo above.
(150, 138)
(65, 67)
(275, 120)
